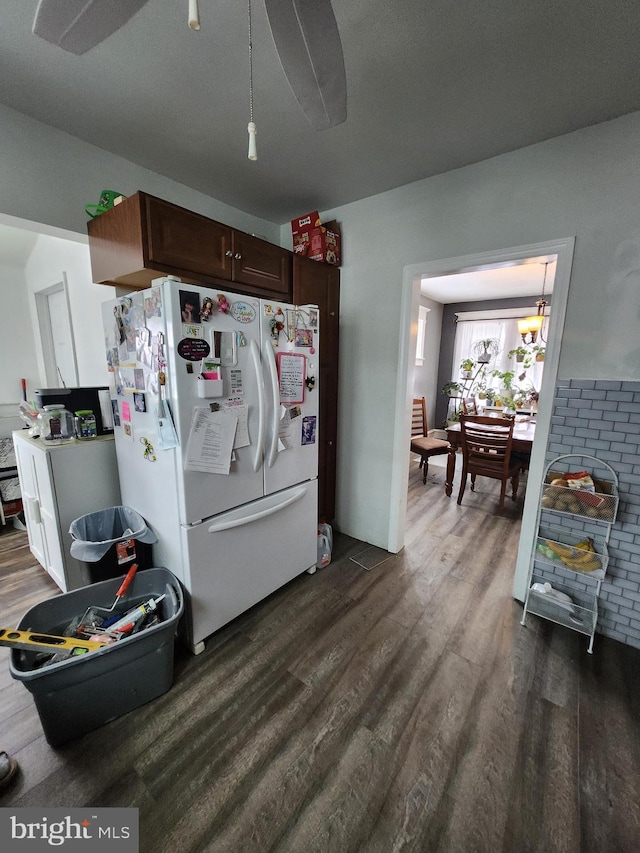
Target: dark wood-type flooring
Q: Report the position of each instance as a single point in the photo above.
(402, 708)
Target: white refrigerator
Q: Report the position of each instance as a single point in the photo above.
(215, 400)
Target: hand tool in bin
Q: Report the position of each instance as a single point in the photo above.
(92, 611)
(37, 642)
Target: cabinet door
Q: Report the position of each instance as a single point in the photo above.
(319, 283)
(50, 520)
(185, 241)
(261, 265)
(29, 489)
(116, 245)
(315, 282)
(327, 432)
(41, 510)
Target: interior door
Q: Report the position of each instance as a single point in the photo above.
(56, 333)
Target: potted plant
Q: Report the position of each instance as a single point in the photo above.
(507, 378)
(486, 349)
(466, 367)
(520, 398)
(522, 356)
(452, 390)
(509, 410)
(538, 351)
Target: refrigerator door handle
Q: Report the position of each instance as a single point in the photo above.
(272, 373)
(265, 507)
(259, 445)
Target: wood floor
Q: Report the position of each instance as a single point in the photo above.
(402, 708)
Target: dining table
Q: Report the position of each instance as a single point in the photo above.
(524, 430)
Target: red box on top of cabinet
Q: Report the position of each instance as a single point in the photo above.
(305, 223)
(314, 240)
(301, 231)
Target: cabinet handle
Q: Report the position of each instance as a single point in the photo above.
(237, 256)
(34, 511)
(228, 253)
(332, 313)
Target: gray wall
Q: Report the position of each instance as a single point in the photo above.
(47, 176)
(17, 341)
(583, 185)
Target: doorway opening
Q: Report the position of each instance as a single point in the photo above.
(56, 334)
(563, 249)
(478, 350)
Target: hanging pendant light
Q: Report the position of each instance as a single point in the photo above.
(532, 326)
(251, 127)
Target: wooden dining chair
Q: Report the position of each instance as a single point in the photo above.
(486, 452)
(468, 406)
(421, 444)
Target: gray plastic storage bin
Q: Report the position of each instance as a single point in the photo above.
(80, 694)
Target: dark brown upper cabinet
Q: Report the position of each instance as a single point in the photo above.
(145, 237)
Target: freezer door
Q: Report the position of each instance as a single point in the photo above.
(290, 347)
(242, 556)
(204, 325)
(135, 345)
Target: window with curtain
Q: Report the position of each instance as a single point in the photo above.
(422, 328)
(506, 332)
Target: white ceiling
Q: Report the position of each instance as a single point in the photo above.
(433, 85)
(525, 278)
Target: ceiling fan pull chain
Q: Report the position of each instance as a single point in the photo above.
(251, 127)
(194, 15)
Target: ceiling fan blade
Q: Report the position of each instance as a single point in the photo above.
(79, 25)
(308, 43)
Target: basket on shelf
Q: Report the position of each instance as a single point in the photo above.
(579, 545)
(587, 555)
(600, 505)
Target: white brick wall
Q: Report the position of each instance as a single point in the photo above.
(602, 418)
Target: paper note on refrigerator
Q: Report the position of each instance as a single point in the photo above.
(286, 428)
(242, 429)
(210, 442)
(291, 376)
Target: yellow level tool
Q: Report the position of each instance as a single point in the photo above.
(46, 642)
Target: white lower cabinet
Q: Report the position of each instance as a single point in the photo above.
(60, 484)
